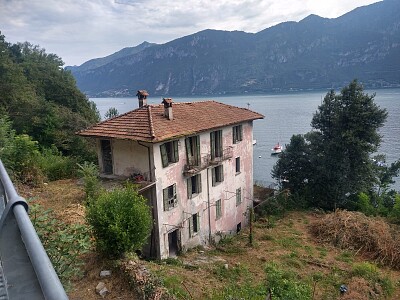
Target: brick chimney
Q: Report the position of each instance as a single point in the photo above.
(142, 97)
(168, 108)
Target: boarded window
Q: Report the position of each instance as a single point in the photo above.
(194, 185)
(216, 143)
(237, 132)
(169, 153)
(169, 197)
(237, 162)
(217, 175)
(194, 224)
(218, 209)
(238, 196)
(193, 150)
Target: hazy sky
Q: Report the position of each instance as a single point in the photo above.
(78, 30)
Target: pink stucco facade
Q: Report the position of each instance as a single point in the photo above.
(171, 232)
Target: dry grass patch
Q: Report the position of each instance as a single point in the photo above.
(371, 237)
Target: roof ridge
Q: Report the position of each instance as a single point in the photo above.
(151, 123)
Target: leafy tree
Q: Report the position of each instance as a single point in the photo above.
(35, 87)
(121, 220)
(111, 113)
(337, 151)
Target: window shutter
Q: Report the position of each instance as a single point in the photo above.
(240, 135)
(198, 222)
(212, 139)
(174, 193)
(234, 134)
(188, 151)
(198, 159)
(221, 169)
(164, 156)
(198, 179)
(190, 226)
(189, 187)
(176, 153)
(165, 198)
(213, 174)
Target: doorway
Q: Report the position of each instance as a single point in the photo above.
(173, 239)
(106, 156)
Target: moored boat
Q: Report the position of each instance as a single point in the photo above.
(277, 149)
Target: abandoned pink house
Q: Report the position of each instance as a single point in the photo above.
(194, 163)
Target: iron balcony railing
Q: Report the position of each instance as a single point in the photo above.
(25, 271)
(191, 167)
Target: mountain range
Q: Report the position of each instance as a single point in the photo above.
(314, 53)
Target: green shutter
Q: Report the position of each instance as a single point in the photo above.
(189, 187)
(214, 179)
(165, 198)
(198, 223)
(164, 156)
(176, 153)
(190, 226)
(234, 134)
(198, 179)
(198, 159)
(188, 151)
(221, 169)
(212, 139)
(174, 193)
(240, 133)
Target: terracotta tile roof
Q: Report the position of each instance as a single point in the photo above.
(149, 124)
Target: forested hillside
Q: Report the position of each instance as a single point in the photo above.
(40, 106)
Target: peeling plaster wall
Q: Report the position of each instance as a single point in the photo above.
(128, 157)
(177, 217)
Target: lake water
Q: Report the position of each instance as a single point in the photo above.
(285, 115)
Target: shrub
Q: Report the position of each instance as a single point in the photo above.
(64, 243)
(285, 285)
(394, 215)
(90, 175)
(121, 220)
(55, 166)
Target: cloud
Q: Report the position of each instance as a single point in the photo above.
(81, 30)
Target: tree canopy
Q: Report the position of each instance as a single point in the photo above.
(333, 162)
(41, 99)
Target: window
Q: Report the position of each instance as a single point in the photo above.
(169, 153)
(217, 175)
(194, 185)
(238, 196)
(237, 134)
(216, 143)
(193, 150)
(169, 197)
(218, 209)
(194, 224)
(237, 160)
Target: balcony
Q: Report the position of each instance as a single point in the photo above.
(192, 167)
(141, 179)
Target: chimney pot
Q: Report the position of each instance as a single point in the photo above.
(142, 97)
(168, 108)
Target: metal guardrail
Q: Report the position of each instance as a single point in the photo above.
(13, 213)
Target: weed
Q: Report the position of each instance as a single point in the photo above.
(309, 250)
(285, 284)
(289, 242)
(323, 252)
(370, 272)
(267, 237)
(64, 243)
(345, 256)
(174, 285)
(233, 274)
